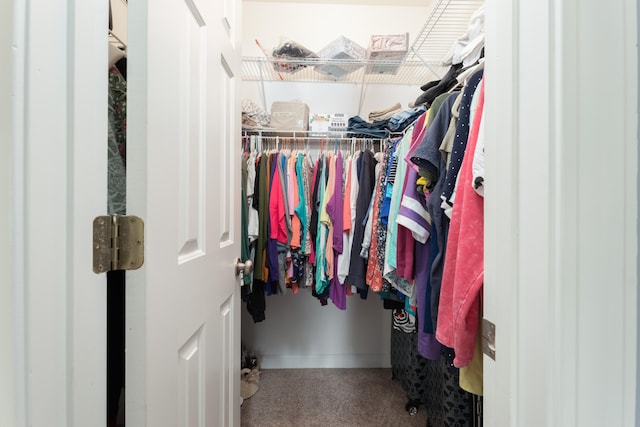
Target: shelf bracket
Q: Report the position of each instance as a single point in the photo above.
(362, 92)
(264, 96)
(415, 52)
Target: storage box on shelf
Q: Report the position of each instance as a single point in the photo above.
(391, 47)
(343, 49)
(290, 115)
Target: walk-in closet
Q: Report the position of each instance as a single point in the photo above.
(550, 297)
(299, 331)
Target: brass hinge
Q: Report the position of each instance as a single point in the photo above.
(489, 338)
(118, 243)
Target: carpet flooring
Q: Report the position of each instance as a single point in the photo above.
(329, 397)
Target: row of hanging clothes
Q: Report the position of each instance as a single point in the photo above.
(402, 219)
(302, 216)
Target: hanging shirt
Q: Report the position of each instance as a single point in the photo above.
(296, 223)
(368, 228)
(375, 265)
(308, 178)
(374, 273)
(429, 159)
(277, 210)
(413, 213)
(274, 223)
(344, 256)
(463, 275)
(322, 231)
(448, 204)
(336, 204)
(357, 266)
(253, 219)
(262, 195)
(337, 291)
(301, 206)
(324, 215)
(389, 271)
(428, 346)
(462, 135)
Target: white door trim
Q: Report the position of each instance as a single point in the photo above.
(54, 370)
(12, 353)
(561, 212)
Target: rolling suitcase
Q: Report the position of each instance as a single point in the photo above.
(433, 384)
(407, 366)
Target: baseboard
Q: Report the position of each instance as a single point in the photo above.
(279, 361)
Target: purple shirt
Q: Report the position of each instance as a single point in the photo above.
(335, 206)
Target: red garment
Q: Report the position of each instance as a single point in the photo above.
(277, 208)
(463, 275)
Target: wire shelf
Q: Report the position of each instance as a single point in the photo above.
(447, 21)
(355, 71)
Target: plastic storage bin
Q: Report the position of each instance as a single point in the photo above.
(341, 48)
(392, 47)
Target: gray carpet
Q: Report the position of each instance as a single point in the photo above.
(329, 397)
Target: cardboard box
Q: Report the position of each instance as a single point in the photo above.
(319, 123)
(328, 123)
(339, 122)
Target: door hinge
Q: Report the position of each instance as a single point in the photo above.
(489, 338)
(118, 243)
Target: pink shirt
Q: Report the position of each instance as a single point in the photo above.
(463, 275)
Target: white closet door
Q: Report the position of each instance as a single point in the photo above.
(183, 324)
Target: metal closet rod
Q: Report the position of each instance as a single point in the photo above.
(314, 136)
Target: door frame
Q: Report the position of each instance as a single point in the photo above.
(54, 370)
(566, 350)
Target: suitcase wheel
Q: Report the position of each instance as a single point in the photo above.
(412, 408)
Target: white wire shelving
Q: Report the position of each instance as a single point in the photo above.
(447, 21)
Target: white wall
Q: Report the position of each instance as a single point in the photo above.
(314, 25)
(298, 332)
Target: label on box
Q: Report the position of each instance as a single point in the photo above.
(319, 122)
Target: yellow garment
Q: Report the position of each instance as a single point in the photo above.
(471, 375)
